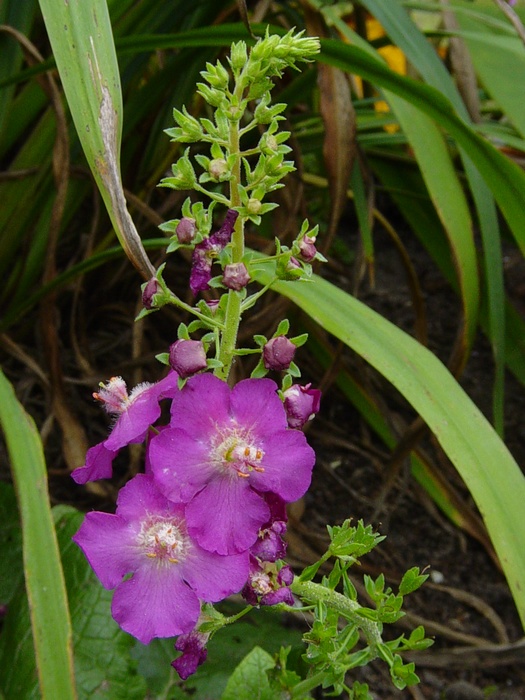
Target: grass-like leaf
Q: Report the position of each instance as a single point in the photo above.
(43, 572)
(82, 40)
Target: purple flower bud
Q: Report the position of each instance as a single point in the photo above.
(186, 230)
(307, 248)
(285, 576)
(152, 287)
(187, 357)
(194, 653)
(236, 276)
(278, 353)
(301, 403)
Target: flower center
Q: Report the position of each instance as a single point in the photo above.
(261, 583)
(114, 395)
(237, 452)
(162, 539)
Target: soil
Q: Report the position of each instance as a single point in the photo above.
(466, 605)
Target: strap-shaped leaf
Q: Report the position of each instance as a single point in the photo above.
(43, 571)
(82, 42)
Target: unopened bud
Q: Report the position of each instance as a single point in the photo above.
(218, 168)
(185, 230)
(235, 276)
(254, 206)
(278, 353)
(150, 289)
(301, 403)
(307, 249)
(187, 357)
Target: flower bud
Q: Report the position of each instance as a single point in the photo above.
(217, 168)
(236, 276)
(187, 357)
(254, 206)
(185, 230)
(307, 249)
(278, 353)
(150, 289)
(301, 403)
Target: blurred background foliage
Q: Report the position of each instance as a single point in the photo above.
(408, 137)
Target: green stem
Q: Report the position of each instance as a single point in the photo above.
(233, 307)
(210, 322)
(347, 608)
(299, 690)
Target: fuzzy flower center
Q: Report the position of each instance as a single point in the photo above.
(236, 451)
(261, 583)
(114, 395)
(162, 539)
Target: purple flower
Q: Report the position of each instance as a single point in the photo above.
(171, 573)
(194, 653)
(301, 403)
(207, 250)
(224, 448)
(187, 357)
(236, 276)
(135, 413)
(278, 353)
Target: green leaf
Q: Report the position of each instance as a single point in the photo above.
(250, 680)
(82, 41)
(44, 579)
(492, 476)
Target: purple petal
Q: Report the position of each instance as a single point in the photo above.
(141, 497)
(99, 465)
(179, 464)
(281, 595)
(202, 404)
(256, 406)
(201, 263)
(288, 462)
(225, 517)
(229, 574)
(107, 541)
(133, 424)
(222, 237)
(152, 605)
(194, 653)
